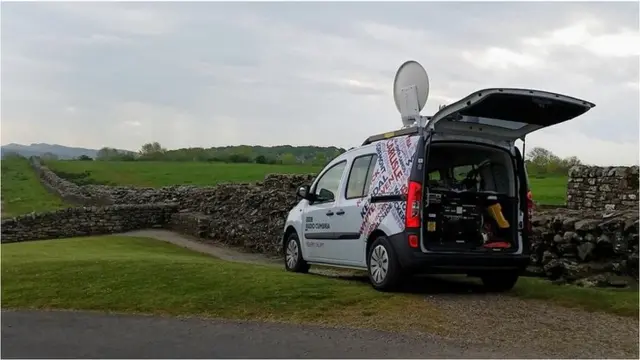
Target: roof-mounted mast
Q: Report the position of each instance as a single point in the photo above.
(410, 93)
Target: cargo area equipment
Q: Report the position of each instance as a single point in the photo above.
(471, 199)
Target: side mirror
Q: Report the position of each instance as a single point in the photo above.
(303, 191)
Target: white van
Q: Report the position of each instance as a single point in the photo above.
(445, 194)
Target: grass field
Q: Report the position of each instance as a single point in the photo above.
(21, 190)
(140, 275)
(157, 173)
(22, 193)
(551, 190)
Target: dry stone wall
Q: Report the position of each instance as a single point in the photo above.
(588, 247)
(603, 188)
(84, 221)
(68, 191)
(248, 215)
(201, 199)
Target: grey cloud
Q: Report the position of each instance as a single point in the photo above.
(271, 73)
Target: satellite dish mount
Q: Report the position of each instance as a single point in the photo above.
(410, 93)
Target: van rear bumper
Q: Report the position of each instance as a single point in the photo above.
(415, 261)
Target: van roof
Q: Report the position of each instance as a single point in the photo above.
(391, 134)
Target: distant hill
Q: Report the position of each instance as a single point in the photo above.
(238, 153)
(62, 152)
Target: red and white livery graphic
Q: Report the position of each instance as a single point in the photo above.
(390, 177)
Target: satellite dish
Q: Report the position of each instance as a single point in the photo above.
(410, 90)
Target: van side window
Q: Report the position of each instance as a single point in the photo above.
(360, 176)
(328, 185)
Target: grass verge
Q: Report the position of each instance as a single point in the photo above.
(138, 275)
(622, 302)
(124, 274)
(22, 192)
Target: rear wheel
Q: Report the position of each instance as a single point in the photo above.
(383, 266)
(293, 260)
(500, 281)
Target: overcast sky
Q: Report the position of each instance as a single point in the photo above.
(214, 74)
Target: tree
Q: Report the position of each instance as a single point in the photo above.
(320, 160)
(152, 148)
(152, 151)
(541, 161)
(288, 159)
(12, 155)
(571, 161)
(85, 158)
(106, 153)
(239, 158)
(261, 159)
(111, 154)
(538, 154)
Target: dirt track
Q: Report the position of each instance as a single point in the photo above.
(536, 328)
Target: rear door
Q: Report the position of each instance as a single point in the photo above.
(506, 114)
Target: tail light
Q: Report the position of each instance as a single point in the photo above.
(414, 197)
(530, 205)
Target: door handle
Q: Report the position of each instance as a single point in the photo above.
(330, 213)
(340, 212)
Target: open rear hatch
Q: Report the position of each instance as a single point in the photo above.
(478, 211)
(507, 114)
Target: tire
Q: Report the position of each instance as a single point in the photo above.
(500, 282)
(382, 265)
(293, 260)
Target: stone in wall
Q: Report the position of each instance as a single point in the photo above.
(602, 188)
(586, 248)
(191, 223)
(84, 221)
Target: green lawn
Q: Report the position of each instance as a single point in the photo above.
(140, 275)
(160, 173)
(21, 190)
(125, 274)
(551, 190)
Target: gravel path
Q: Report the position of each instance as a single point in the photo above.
(216, 249)
(502, 322)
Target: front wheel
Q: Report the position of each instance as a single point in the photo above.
(383, 266)
(293, 260)
(499, 282)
